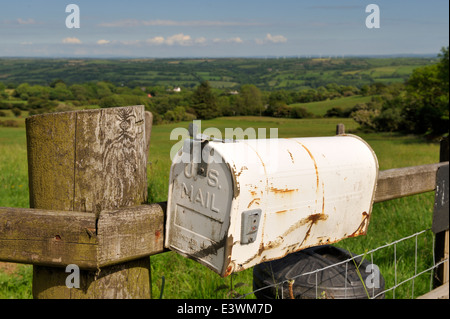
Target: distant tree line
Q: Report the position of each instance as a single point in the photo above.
(202, 102)
(267, 74)
(419, 106)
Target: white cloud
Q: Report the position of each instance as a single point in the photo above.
(176, 39)
(156, 40)
(130, 42)
(71, 41)
(275, 38)
(271, 39)
(231, 40)
(201, 40)
(172, 23)
(19, 22)
(29, 21)
(102, 42)
(179, 39)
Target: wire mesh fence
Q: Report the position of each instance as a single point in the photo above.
(371, 281)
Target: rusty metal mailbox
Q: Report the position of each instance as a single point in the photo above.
(235, 204)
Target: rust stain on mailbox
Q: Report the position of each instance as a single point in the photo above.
(256, 202)
(362, 227)
(292, 157)
(283, 191)
(314, 161)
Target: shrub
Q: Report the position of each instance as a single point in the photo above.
(16, 112)
(112, 101)
(389, 120)
(282, 110)
(365, 116)
(338, 112)
(9, 123)
(300, 113)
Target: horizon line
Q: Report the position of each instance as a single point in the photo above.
(291, 56)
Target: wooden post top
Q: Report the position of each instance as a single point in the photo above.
(90, 161)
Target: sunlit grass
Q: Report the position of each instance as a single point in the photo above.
(185, 278)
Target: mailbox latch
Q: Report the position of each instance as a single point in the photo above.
(196, 146)
(250, 224)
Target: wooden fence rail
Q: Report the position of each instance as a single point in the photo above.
(104, 225)
(59, 238)
(52, 238)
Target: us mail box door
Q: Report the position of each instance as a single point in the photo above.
(250, 201)
(200, 212)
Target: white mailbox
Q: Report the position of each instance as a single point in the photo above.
(235, 204)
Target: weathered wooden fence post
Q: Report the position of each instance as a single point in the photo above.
(442, 238)
(89, 161)
(340, 129)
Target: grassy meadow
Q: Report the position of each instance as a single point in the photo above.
(185, 278)
(320, 108)
(268, 74)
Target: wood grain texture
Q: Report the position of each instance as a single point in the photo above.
(88, 161)
(441, 248)
(47, 237)
(130, 233)
(128, 280)
(441, 292)
(148, 130)
(51, 155)
(401, 182)
(110, 159)
(58, 238)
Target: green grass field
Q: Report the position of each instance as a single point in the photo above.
(227, 73)
(185, 278)
(321, 108)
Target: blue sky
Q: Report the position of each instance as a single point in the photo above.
(210, 28)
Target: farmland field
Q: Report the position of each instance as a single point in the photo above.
(321, 108)
(185, 278)
(266, 74)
